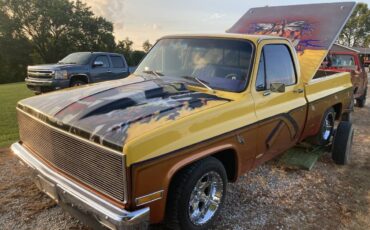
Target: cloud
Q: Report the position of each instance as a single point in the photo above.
(156, 27)
(214, 16)
(109, 9)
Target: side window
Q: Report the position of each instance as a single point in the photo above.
(103, 59)
(117, 62)
(261, 76)
(279, 65)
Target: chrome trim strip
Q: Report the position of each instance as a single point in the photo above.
(70, 192)
(37, 80)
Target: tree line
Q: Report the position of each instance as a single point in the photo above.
(356, 33)
(45, 31)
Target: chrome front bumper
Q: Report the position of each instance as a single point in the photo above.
(80, 202)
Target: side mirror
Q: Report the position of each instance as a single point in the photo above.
(98, 64)
(277, 87)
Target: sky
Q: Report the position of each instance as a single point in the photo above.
(142, 20)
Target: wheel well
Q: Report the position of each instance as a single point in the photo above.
(228, 159)
(80, 78)
(338, 109)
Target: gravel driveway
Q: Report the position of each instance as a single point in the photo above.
(269, 197)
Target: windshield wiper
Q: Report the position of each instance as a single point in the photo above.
(153, 72)
(202, 82)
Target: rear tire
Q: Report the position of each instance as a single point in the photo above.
(360, 102)
(342, 143)
(199, 188)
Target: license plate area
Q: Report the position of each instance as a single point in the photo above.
(47, 187)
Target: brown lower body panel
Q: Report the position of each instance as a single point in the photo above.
(261, 142)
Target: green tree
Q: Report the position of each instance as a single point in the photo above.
(356, 31)
(15, 50)
(136, 56)
(125, 47)
(56, 28)
(147, 46)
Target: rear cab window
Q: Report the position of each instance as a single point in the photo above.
(275, 66)
(117, 61)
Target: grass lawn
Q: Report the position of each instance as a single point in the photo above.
(10, 94)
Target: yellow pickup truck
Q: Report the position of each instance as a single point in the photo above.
(200, 110)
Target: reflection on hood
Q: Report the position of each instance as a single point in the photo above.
(112, 112)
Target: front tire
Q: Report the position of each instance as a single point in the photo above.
(77, 83)
(196, 195)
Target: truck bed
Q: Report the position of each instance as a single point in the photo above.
(325, 90)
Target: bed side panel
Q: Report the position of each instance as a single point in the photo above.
(324, 93)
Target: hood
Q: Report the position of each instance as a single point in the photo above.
(312, 29)
(51, 66)
(113, 112)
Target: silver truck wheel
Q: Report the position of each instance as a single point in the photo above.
(205, 198)
(328, 126)
(196, 195)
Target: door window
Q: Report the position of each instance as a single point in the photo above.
(117, 62)
(103, 59)
(276, 66)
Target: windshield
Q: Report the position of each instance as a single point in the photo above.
(220, 63)
(76, 58)
(342, 60)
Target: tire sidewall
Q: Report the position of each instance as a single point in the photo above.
(183, 214)
(349, 146)
(342, 143)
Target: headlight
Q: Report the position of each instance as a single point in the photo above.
(61, 74)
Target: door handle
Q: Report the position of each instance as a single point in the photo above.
(266, 93)
(109, 71)
(298, 91)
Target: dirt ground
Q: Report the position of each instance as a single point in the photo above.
(269, 197)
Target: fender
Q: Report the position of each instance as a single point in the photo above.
(165, 169)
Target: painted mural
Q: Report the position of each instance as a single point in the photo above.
(311, 28)
(112, 113)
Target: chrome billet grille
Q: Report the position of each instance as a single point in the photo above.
(96, 166)
(40, 74)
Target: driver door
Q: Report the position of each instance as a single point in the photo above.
(103, 72)
(281, 114)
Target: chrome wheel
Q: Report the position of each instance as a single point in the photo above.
(205, 198)
(328, 126)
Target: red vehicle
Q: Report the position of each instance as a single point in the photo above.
(342, 61)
